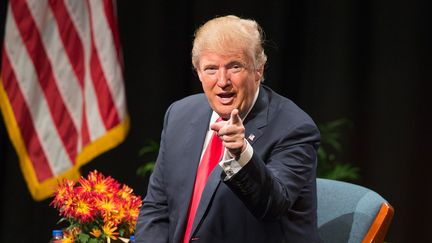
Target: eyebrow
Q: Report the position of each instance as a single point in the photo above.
(236, 63)
(231, 63)
(209, 66)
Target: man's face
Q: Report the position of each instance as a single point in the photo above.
(229, 82)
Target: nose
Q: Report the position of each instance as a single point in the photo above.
(223, 78)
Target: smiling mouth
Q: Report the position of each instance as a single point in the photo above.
(226, 98)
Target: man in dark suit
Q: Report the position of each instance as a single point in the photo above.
(264, 187)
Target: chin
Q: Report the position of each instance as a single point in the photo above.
(224, 113)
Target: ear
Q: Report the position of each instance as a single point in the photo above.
(259, 73)
(199, 74)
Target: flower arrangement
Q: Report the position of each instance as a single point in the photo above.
(98, 209)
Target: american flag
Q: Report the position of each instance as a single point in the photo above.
(61, 87)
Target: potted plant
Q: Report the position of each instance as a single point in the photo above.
(97, 209)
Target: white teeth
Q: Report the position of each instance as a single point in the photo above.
(225, 100)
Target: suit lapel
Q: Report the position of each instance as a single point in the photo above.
(209, 190)
(195, 136)
(257, 117)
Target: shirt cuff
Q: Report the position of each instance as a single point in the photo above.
(231, 165)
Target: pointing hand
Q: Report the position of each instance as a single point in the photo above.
(231, 132)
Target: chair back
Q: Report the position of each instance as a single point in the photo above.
(351, 213)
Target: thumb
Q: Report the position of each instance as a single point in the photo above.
(217, 125)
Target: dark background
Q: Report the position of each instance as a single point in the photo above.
(368, 61)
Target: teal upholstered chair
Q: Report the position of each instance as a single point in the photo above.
(351, 213)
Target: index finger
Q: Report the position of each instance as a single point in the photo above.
(235, 118)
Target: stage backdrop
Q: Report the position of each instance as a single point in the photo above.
(367, 61)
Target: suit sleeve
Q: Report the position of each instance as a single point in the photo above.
(270, 185)
(153, 221)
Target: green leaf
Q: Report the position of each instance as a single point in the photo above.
(150, 147)
(145, 169)
(334, 143)
(83, 238)
(329, 150)
(121, 231)
(95, 240)
(343, 172)
(62, 220)
(322, 155)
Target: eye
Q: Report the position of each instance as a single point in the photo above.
(235, 68)
(210, 70)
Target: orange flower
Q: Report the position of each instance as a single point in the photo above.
(119, 217)
(63, 193)
(96, 232)
(102, 185)
(68, 207)
(68, 239)
(69, 235)
(83, 210)
(133, 214)
(109, 230)
(107, 207)
(84, 186)
(125, 193)
(134, 207)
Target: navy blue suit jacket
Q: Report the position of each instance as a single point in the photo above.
(271, 199)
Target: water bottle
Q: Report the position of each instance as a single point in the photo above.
(57, 236)
(132, 239)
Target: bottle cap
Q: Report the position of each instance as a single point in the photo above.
(57, 232)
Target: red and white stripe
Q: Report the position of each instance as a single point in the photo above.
(62, 74)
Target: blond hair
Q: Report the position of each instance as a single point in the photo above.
(227, 35)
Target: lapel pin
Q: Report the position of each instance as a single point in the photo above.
(251, 137)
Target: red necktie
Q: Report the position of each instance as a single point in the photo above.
(209, 160)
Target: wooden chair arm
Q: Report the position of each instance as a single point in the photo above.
(380, 225)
